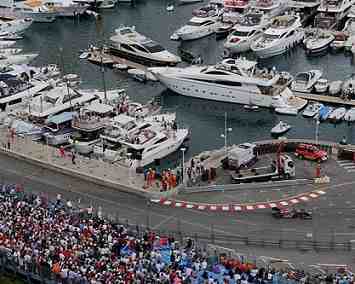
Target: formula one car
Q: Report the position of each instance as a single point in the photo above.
(292, 213)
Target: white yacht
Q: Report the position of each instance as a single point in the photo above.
(271, 8)
(128, 43)
(196, 28)
(284, 33)
(232, 80)
(9, 59)
(318, 41)
(304, 81)
(17, 26)
(57, 128)
(307, 9)
(312, 109)
(331, 13)
(234, 9)
(57, 100)
(245, 32)
(14, 95)
(66, 8)
(89, 124)
(36, 10)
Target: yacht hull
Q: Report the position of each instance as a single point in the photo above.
(195, 34)
(85, 147)
(208, 91)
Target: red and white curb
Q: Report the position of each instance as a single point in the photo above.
(240, 207)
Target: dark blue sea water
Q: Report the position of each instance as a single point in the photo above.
(206, 118)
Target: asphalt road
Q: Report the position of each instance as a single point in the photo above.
(334, 215)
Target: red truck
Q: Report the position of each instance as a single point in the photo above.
(310, 152)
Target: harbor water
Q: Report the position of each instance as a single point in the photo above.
(61, 41)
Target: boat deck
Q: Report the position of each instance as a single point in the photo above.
(108, 59)
(325, 99)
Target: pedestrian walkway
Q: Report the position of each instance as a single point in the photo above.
(347, 165)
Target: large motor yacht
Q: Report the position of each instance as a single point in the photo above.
(331, 13)
(233, 81)
(234, 10)
(130, 44)
(245, 32)
(284, 33)
(307, 9)
(270, 7)
(197, 27)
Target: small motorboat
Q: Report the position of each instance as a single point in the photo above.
(251, 107)
(305, 81)
(120, 66)
(84, 55)
(335, 87)
(350, 115)
(138, 74)
(324, 113)
(318, 42)
(312, 109)
(280, 128)
(337, 114)
(170, 8)
(287, 110)
(321, 86)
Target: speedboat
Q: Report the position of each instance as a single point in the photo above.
(321, 86)
(245, 32)
(324, 113)
(280, 128)
(284, 33)
(337, 114)
(350, 115)
(170, 8)
(318, 42)
(128, 43)
(233, 81)
(312, 109)
(287, 110)
(304, 81)
(197, 27)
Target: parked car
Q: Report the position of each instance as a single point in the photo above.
(311, 152)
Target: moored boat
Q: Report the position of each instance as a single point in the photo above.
(280, 128)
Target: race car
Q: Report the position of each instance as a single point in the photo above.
(286, 213)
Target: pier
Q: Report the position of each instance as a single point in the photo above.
(325, 99)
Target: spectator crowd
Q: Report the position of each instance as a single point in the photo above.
(54, 239)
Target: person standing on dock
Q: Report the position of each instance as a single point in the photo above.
(73, 158)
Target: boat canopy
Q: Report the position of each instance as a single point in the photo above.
(99, 108)
(61, 118)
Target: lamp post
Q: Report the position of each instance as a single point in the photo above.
(129, 155)
(225, 134)
(183, 149)
(317, 130)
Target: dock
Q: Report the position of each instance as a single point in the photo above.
(325, 99)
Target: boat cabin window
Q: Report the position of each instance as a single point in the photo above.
(303, 77)
(208, 23)
(125, 31)
(153, 47)
(240, 33)
(291, 33)
(136, 46)
(145, 126)
(127, 47)
(161, 140)
(17, 101)
(216, 73)
(195, 24)
(271, 37)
